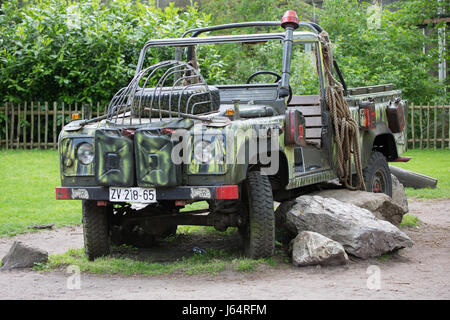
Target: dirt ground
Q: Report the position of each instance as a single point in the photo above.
(420, 272)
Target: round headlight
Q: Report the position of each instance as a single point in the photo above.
(203, 151)
(85, 153)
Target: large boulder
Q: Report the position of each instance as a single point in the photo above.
(399, 194)
(311, 248)
(357, 229)
(23, 256)
(380, 204)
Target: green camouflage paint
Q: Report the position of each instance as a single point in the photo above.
(154, 167)
(114, 159)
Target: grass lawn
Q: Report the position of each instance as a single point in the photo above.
(211, 262)
(27, 192)
(432, 163)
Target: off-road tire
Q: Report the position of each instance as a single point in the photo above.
(95, 230)
(378, 173)
(259, 232)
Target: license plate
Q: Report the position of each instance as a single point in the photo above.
(143, 195)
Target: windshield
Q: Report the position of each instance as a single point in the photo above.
(246, 62)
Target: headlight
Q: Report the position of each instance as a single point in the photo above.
(85, 153)
(203, 151)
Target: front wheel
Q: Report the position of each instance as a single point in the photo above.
(95, 230)
(377, 175)
(258, 233)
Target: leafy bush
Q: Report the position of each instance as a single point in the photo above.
(84, 51)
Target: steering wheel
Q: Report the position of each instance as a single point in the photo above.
(278, 77)
(257, 73)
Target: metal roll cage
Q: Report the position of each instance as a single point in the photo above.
(122, 100)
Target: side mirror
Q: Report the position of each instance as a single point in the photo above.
(294, 128)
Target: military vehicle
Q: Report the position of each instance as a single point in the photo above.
(170, 139)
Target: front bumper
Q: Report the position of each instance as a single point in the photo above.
(174, 193)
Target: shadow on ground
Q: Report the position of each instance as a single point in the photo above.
(179, 246)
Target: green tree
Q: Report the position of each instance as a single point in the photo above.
(390, 52)
(387, 52)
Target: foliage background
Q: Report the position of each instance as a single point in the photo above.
(84, 51)
(390, 53)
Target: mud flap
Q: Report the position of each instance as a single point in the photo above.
(154, 166)
(114, 163)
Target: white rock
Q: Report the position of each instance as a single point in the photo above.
(357, 229)
(380, 204)
(311, 248)
(399, 194)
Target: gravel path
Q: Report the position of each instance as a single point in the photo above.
(420, 272)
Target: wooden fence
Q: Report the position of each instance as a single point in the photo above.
(429, 127)
(37, 125)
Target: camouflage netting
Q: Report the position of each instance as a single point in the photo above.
(194, 100)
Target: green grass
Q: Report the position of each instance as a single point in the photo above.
(384, 257)
(409, 221)
(433, 163)
(212, 262)
(27, 192)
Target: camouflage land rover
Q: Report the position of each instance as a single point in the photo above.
(169, 139)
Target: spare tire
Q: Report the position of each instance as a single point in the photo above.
(194, 100)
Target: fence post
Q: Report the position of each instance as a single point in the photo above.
(443, 127)
(428, 126)
(6, 125)
(435, 126)
(46, 125)
(32, 125)
(420, 127)
(86, 111)
(25, 125)
(70, 112)
(412, 126)
(12, 126)
(63, 116)
(39, 124)
(18, 126)
(55, 107)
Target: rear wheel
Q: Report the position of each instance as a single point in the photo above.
(95, 230)
(258, 232)
(377, 175)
